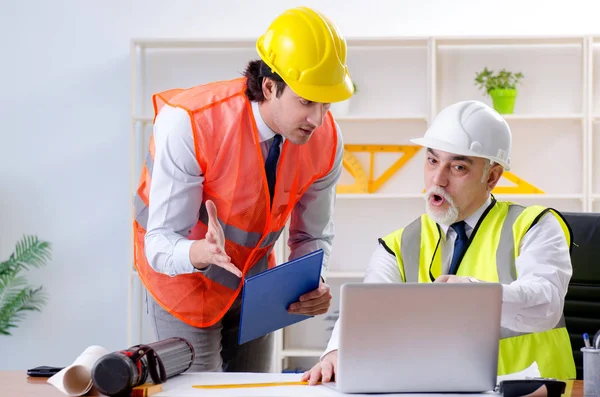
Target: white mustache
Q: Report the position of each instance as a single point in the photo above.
(439, 191)
(447, 216)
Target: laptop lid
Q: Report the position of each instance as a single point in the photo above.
(418, 337)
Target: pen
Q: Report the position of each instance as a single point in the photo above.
(586, 340)
(244, 385)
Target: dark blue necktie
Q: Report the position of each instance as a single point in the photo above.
(271, 163)
(460, 245)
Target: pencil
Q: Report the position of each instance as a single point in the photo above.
(244, 385)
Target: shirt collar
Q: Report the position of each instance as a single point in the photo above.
(264, 131)
(472, 220)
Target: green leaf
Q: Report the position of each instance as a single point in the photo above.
(16, 297)
(32, 252)
(487, 80)
(13, 310)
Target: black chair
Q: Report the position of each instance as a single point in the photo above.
(582, 303)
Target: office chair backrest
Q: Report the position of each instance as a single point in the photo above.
(582, 303)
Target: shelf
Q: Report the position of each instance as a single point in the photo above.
(515, 41)
(381, 118)
(339, 274)
(375, 196)
(536, 117)
(143, 119)
(387, 42)
(183, 43)
(245, 43)
(436, 70)
(358, 42)
(575, 196)
(301, 353)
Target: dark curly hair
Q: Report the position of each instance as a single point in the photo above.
(255, 72)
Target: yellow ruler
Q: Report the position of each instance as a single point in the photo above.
(370, 184)
(366, 182)
(245, 385)
(355, 168)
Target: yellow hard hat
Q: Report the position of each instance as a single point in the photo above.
(309, 53)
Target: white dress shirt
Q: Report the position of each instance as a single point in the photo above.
(176, 197)
(532, 303)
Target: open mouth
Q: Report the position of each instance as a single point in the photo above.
(305, 131)
(437, 200)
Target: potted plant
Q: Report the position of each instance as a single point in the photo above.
(16, 297)
(342, 108)
(501, 87)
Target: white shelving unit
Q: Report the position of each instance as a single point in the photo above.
(403, 83)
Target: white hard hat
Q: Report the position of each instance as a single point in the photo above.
(470, 128)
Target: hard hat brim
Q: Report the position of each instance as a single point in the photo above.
(324, 94)
(444, 146)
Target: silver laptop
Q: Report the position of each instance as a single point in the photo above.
(418, 338)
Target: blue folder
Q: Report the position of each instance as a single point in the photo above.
(266, 296)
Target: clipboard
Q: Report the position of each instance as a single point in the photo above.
(266, 296)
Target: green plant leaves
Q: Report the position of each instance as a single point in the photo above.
(16, 297)
(487, 80)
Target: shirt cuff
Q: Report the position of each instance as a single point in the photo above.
(331, 347)
(181, 256)
(511, 304)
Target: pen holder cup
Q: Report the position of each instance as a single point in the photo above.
(591, 372)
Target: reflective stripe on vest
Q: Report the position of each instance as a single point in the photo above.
(410, 247)
(239, 236)
(149, 163)
(233, 234)
(228, 279)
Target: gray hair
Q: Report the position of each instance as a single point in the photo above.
(487, 165)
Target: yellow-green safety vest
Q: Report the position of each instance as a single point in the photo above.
(490, 256)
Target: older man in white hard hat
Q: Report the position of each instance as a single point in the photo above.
(468, 148)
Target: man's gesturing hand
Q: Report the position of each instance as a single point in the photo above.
(211, 250)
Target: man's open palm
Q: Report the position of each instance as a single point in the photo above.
(215, 239)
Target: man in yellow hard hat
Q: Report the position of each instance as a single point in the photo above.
(466, 235)
(229, 164)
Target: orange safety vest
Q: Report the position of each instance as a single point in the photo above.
(228, 151)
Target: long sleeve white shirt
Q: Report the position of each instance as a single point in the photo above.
(532, 303)
(176, 197)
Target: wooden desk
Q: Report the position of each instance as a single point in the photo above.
(18, 384)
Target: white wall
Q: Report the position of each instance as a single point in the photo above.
(65, 142)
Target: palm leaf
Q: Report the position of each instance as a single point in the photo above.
(30, 251)
(10, 286)
(16, 297)
(13, 310)
(8, 266)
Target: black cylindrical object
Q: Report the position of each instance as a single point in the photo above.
(118, 372)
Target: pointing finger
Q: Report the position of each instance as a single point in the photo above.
(211, 209)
